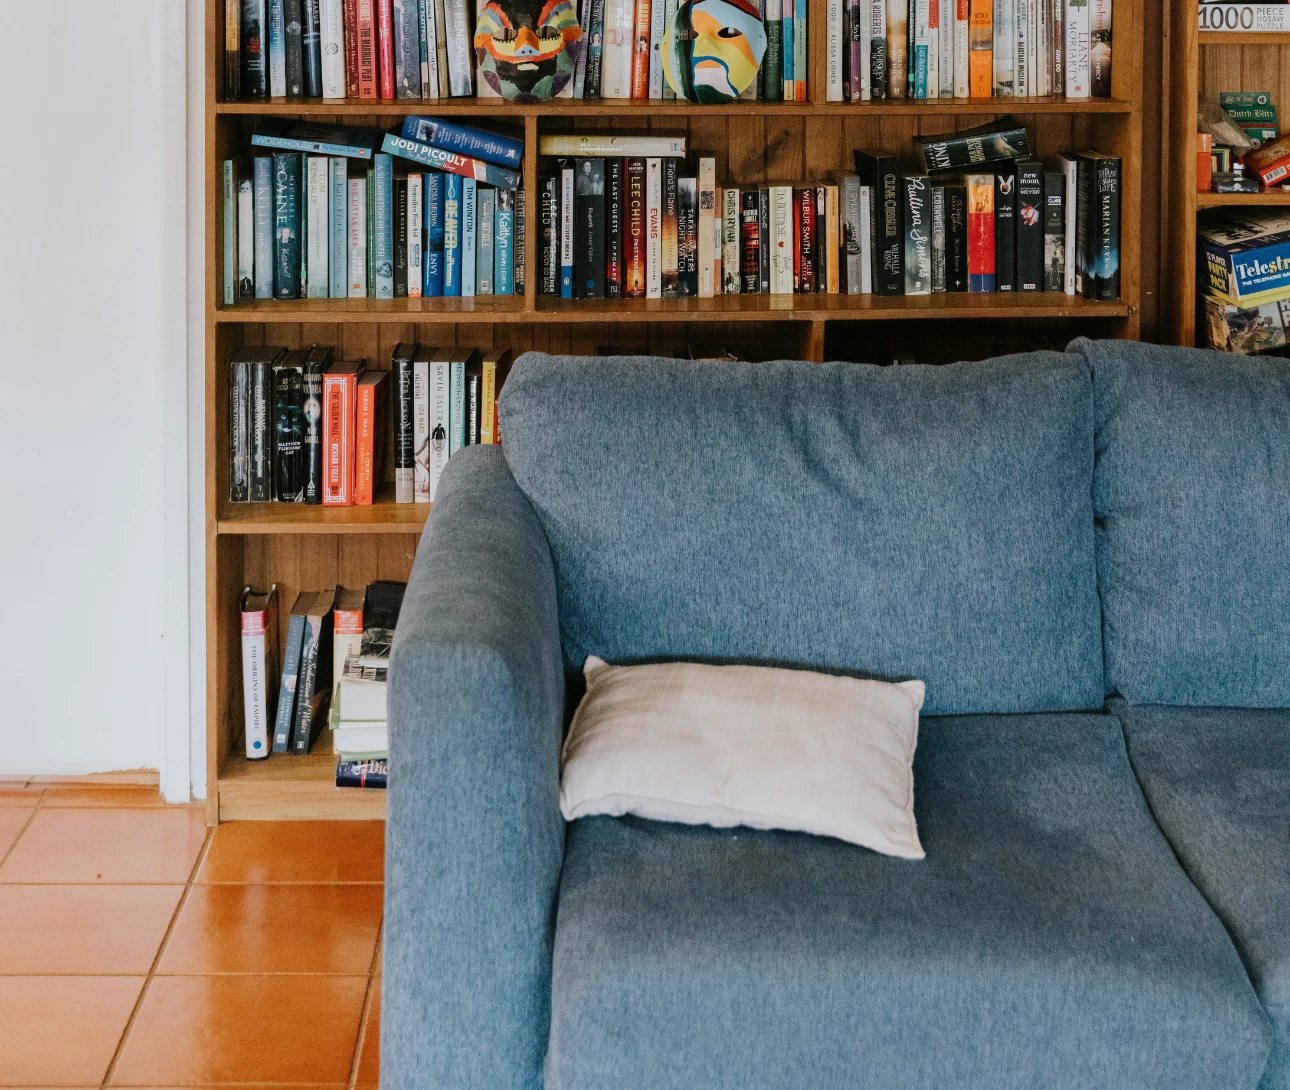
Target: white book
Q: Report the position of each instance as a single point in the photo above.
(731, 278)
(961, 84)
(360, 736)
(1005, 47)
(259, 670)
(657, 28)
(333, 48)
(866, 241)
(653, 229)
(358, 238)
(246, 239)
(421, 428)
(616, 50)
(416, 228)
(920, 12)
(607, 146)
(1070, 169)
(707, 232)
(861, 9)
(439, 421)
(485, 198)
(1043, 48)
(945, 61)
(319, 200)
(781, 240)
(430, 80)
(1021, 62)
(469, 234)
(833, 52)
(1076, 58)
(933, 50)
(1032, 53)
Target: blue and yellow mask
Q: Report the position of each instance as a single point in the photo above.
(713, 49)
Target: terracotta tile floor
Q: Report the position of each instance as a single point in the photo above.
(139, 948)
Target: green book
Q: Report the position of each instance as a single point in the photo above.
(371, 234)
(772, 63)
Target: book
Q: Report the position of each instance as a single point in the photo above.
(284, 720)
(960, 48)
(780, 239)
(246, 228)
(239, 431)
(897, 47)
(565, 229)
(371, 233)
(669, 267)
(938, 239)
(804, 237)
(877, 49)
(920, 57)
(314, 367)
(945, 31)
(430, 69)
(852, 273)
(303, 191)
(707, 252)
(589, 226)
(1069, 168)
(434, 234)
(421, 424)
(615, 219)
(400, 213)
(549, 237)
(338, 227)
(313, 684)
(414, 196)
(260, 428)
(439, 420)
(1097, 227)
(384, 10)
(383, 227)
(653, 228)
(763, 237)
(358, 238)
(317, 207)
(347, 632)
(687, 237)
(521, 211)
(311, 48)
(474, 398)
(368, 79)
(788, 31)
(253, 71)
(658, 25)
(494, 367)
(881, 171)
(1076, 52)
(340, 382)
(956, 237)
(459, 28)
(286, 225)
(332, 48)
(465, 140)
(289, 428)
(441, 49)
(641, 22)
(1054, 213)
(371, 410)
(295, 57)
(259, 667)
(858, 73)
(980, 227)
(595, 48)
(450, 161)
(772, 64)
(980, 48)
(401, 379)
(277, 52)
(504, 240)
(1030, 225)
(750, 242)
(457, 400)
(617, 44)
(365, 773)
(731, 232)
(1005, 232)
(916, 216)
(996, 142)
(406, 20)
(799, 50)
(605, 145)
(1004, 48)
(353, 733)
(230, 254)
(485, 214)
(833, 47)
(635, 242)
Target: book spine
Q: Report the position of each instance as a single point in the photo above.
(980, 48)
(856, 41)
(384, 11)
(430, 75)
(1075, 54)
(807, 241)
(878, 68)
(916, 214)
(485, 215)
(731, 241)
(264, 215)
(718, 238)
(255, 683)
(1054, 231)
(773, 60)
(1030, 227)
(415, 198)
(640, 49)
(789, 29)
(253, 77)
(615, 211)
(616, 64)
(849, 241)
(338, 440)
(504, 240)
(369, 84)
(488, 402)
(232, 50)
(1057, 43)
(371, 234)
(239, 428)
(461, 140)
(961, 51)
(1004, 47)
(897, 47)
(311, 48)
(657, 29)
(833, 51)
(332, 48)
(406, 48)
(246, 238)
(473, 395)
(780, 240)
(319, 235)
(338, 228)
(350, 8)
(400, 216)
(707, 253)
(763, 240)
(358, 238)
(366, 774)
(460, 36)
(687, 214)
(310, 685)
(1099, 49)
(456, 406)
(303, 190)
(595, 49)
(653, 228)
(452, 194)
(1023, 63)
(294, 38)
(287, 687)
(549, 237)
(566, 233)
(799, 50)
(441, 48)
(669, 242)
(364, 443)
(469, 235)
(521, 211)
(1069, 168)
(451, 162)
(403, 429)
(1005, 232)
(956, 238)
(750, 242)
(383, 228)
(288, 434)
(635, 242)
(312, 383)
(439, 422)
(866, 240)
(922, 42)
(945, 61)
(421, 431)
(938, 238)
(230, 269)
(589, 228)
(1104, 223)
(277, 48)
(286, 225)
(580, 66)
(981, 249)
(434, 258)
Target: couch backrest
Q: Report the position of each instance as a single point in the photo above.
(1192, 497)
(902, 522)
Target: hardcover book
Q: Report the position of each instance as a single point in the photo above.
(589, 227)
(311, 48)
(239, 431)
(880, 171)
(289, 428)
(1097, 273)
(295, 17)
(385, 47)
(285, 717)
(259, 667)
(635, 242)
(253, 80)
(460, 36)
(340, 381)
(277, 52)
(407, 48)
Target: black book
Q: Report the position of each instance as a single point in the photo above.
(286, 225)
(1005, 232)
(250, 410)
(400, 238)
(314, 367)
(1097, 226)
(916, 214)
(1030, 225)
(956, 237)
(313, 685)
(938, 238)
(671, 247)
(591, 83)
(822, 256)
(311, 49)
(687, 236)
(877, 65)
(763, 240)
(239, 431)
(517, 239)
(289, 427)
(1054, 230)
(474, 395)
(549, 236)
(804, 221)
(589, 229)
(880, 170)
(401, 414)
(261, 430)
(749, 243)
(295, 17)
(254, 74)
(973, 149)
(615, 209)
(372, 774)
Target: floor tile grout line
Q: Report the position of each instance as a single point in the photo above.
(156, 960)
(366, 1016)
(25, 826)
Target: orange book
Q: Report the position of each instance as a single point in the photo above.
(369, 432)
(495, 367)
(1204, 164)
(339, 384)
(640, 51)
(981, 48)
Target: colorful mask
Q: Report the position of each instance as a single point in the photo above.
(527, 49)
(713, 49)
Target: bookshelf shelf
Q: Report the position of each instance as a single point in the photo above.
(1246, 37)
(1271, 197)
(309, 548)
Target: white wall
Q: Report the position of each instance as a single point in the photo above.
(91, 348)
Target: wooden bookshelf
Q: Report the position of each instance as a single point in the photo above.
(1195, 62)
(299, 547)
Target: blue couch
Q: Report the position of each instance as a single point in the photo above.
(1085, 555)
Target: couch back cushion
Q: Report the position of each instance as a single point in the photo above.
(1192, 495)
(892, 522)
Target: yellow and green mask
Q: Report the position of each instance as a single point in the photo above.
(713, 49)
(527, 49)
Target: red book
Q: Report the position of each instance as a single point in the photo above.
(804, 257)
(749, 242)
(367, 83)
(340, 382)
(640, 51)
(385, 46)
(351, 48)
(980, 231)
(369, 435)
(634, 243)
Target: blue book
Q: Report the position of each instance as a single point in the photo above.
(485, 203)
(433, 254)
(504, 243)
(788, 47)
(384, 227)
(451, 162)
(286, 225)
(566, 232)
(338, 224)
(263, 180)
(311, 47)
(278, 48)
(407, 48)
(469, 202)
(303, 225)
(505, 151)
(452, 192)
(348, 140)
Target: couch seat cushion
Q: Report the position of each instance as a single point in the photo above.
(1218, 780)
(894, 522)
(1049, 941)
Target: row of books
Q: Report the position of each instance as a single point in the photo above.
(305, 428)
(879, 49)
(300, 224)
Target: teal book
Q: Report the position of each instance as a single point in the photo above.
(304, 226)
(456, 405)
(286, 225)
(452, 187)
(789, 55)
(384, 226)
(504, 243)
(800, 38)
(485, 205)
(263, 179)
(338, 225)
(230, 232)
(469, 202)
(772, 63)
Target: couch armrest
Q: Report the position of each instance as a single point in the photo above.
(474, 837)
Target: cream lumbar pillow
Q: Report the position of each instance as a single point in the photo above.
(747, 745)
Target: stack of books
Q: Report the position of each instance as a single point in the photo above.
(1244, 279)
